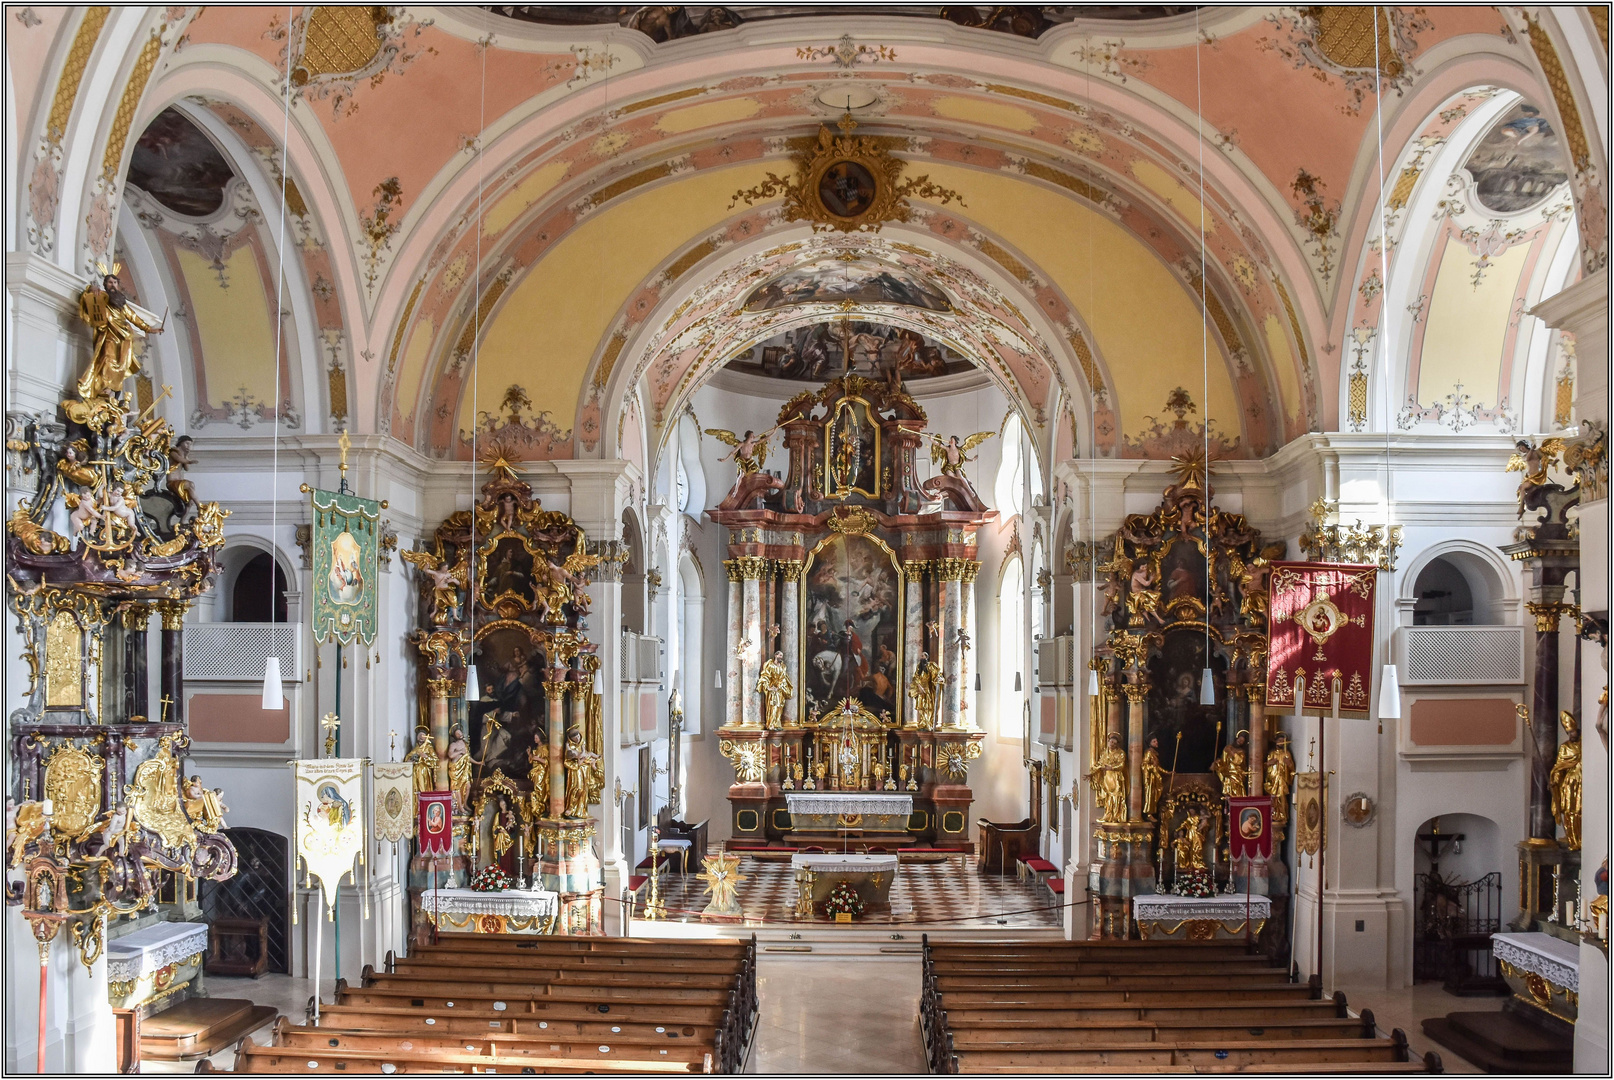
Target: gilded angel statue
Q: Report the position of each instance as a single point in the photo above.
(951, 456)
(446, 582)
(750, 450)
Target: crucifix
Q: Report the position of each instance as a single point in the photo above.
(166, 701)
(345, 443)
(332, 725)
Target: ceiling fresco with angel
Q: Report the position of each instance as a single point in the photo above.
(822, 350)
(847, 279)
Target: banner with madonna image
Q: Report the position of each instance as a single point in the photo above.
(1251, 834)
(1320, 623)
(435, 829)
(346, 547)
(329, 804)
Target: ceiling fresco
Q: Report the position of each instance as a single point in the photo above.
(177, 165)
(540, 139)
(848, 280)
(819, 351)
(1519, 163)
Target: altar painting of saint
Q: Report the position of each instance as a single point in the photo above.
(851, 638)
(1182, 573)
(508, 570)
(512, 716)
(852, 450)
(1174, 673)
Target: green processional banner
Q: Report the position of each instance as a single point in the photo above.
(346, 565)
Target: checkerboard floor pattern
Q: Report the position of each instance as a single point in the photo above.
(930, 893)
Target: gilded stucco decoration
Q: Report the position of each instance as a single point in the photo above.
(1338, 42)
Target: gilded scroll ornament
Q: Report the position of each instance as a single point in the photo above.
(73, 785)
(153, 797)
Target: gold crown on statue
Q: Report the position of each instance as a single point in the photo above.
(104, 270)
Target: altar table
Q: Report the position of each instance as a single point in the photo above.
(512, 911)
(818, 874)
(1224, 917)
(1541, 970)
(153, 963)
(849, 810)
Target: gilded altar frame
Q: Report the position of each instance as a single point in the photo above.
(870, 421)
(858, 529)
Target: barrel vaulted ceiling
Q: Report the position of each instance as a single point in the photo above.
(478, 202)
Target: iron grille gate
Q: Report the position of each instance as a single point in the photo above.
(1452, 929)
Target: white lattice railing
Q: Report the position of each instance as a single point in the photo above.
(235, 652)
(1461, 655)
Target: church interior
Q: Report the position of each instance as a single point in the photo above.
(864, 537)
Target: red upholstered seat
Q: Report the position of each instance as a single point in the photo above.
(1041, 865)
(1056, 886)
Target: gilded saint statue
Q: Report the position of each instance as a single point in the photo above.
(1189, 844)
(459, 766)
(1565, 783)
(503, 829)
(1153, 775)
(1109, 781)
(538, 773)
(1280, 775)
(579, 765)
(774, 685)
(1231, 767)
(925, 686)
(423, 759)
(116, 322)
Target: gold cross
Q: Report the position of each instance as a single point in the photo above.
(344, 442)
(166, 701)
(332, 725)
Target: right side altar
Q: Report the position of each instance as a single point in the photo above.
(851, 627)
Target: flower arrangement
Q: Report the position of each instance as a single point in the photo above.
(491, 879)
(1196, 883)
(843, 900)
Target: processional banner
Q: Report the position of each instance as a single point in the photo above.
(347, 563)
(435, 831)
(330, 820)
(1310, 797)
(1251, 834)
(394, 787)
(1320, 623)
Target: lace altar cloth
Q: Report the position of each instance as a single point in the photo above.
(1224, 908)
(1542, 954)
(845, 864)
(518, 903)
(154, 947)
(848, 802)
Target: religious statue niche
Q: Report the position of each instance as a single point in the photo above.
(852, 618)
(108, 534)
(503, 588)
(851, 450)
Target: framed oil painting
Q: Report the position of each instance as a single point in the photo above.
(852, 625)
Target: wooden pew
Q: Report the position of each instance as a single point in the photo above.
(589, 1025)
(539, 1044)
(316, 1061)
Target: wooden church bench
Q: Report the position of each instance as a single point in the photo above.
(353, 1018)
(687, 1051)
(437, 963)
(325, 1061)
(542, 1009)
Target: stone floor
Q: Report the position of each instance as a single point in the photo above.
(1409, 1006)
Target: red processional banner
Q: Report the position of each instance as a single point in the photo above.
(1251, 833)
(1319, 625)
(435, 825)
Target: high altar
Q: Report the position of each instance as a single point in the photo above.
(503, 589)
(850, 629)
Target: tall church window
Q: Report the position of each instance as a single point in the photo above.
(1011, 631)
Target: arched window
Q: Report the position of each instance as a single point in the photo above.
(1008, 490)
(250, 599)
(1011, 631)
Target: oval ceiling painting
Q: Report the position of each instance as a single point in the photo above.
(858, 281)
(824, 350)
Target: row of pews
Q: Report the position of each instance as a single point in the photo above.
(523, 1004)
(1129, 1006)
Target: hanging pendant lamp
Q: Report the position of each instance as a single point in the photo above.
(1092, 682)
(274, 691)
(473, 685)
(1207, 687)
(1390, 693)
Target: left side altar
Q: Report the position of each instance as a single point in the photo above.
(520, 745)
(107, 832)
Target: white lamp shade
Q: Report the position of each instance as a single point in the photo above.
(717, 678)
(274, 694)
(1390, 694)
(1092, 683)
(473, 685)
(1207, 687)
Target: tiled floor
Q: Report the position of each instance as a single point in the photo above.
(934, 894)
(1408, 1007)
(850, 1015)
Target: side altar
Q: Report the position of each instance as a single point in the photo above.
(850, 621)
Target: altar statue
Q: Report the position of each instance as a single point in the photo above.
(774, 685)
(116, 322)
(925, 687)
(459, 766)
(1189, 844)
(206, 808)
(1230, 768)
(1280, 774)
(538, 773)
(951, 456)
(503, 829)
(579, 764)
(424, 759)
(750, 451)
(1153, 774)
(446, 583)
(1565, 783)
(1109, 781)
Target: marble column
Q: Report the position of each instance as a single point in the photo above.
(555, 691)
(1137, 695)
(967, 661)
(173, 660)
(1544, 718)
(952, 689)
(1256, 692)
(751, 640)
(437, 715)
(790, 636)
(136, 689)
(913, 630)
(731, 675)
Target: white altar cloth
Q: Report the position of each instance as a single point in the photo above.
(848, 802)
(1157, 907)
(520, 903)
(145, 951)
(844, 864)
(1553, 959)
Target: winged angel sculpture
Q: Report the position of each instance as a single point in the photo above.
(950, 456)
(446, 583)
